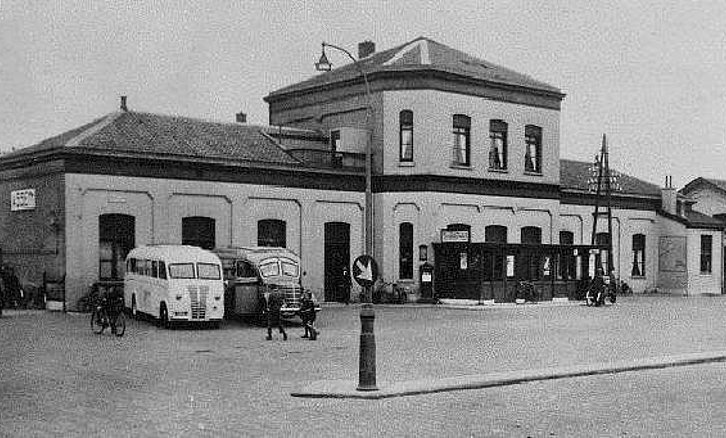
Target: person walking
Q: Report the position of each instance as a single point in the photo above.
(273, 304)
(345, 285)
(307, 314)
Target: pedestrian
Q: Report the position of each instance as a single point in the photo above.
(273, 304)
(307, 314)
(599, 284)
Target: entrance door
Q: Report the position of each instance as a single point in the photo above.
(116, 234)
(337, 261)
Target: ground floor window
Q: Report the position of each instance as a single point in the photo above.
(117, 235)
(706, 254)
(199, 231)
(638, 269)
(272, 232)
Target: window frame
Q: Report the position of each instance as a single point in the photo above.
(706, 257)
(405, 125)
(405, 251)
(461, 130)
(533, 138)
(498, 130)
(638, 251)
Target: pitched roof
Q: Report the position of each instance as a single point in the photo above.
(144, 133)
(718, 184)
(574, 175)
(422, 54)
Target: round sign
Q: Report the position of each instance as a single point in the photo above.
(365, 270)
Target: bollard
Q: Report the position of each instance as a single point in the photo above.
(367, 354)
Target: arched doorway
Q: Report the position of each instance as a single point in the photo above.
(337, 261)
(116, 237)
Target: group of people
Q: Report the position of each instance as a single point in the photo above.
(601, 288)
(273, 306)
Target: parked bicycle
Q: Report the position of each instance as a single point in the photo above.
(387, 292)
(600, 289)
(108, 312)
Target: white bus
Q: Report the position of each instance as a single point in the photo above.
(174, 283)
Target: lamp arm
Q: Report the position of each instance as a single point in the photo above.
(356, 63)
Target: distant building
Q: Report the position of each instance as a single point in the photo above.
(463, 150)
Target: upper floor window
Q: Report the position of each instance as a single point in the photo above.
(498, 148)
(272, 232)
(533, 152)
(405, 119)
(462, 140)
(531, 235)
(334, 141)
(638, 256)
(706, 254)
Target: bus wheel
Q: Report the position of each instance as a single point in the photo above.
(163, 316)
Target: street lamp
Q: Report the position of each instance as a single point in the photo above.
(367, 359)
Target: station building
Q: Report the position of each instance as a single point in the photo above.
(466, 175)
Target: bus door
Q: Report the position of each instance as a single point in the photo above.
(247, 298)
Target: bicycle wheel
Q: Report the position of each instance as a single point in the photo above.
(98, 321)
(119, 327)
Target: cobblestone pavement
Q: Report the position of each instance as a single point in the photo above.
(58, 378)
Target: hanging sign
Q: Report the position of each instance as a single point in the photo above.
(22, 200)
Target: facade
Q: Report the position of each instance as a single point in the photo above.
(462, 149)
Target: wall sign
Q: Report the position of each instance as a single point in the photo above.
(22, 200)
(448, 236)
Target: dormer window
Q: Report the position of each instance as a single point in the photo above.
(405, 138)
(498, 145)
(462, 140)
(533, 151)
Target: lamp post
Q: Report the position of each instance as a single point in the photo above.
(367, 359)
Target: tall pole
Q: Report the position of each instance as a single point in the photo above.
(608, 193)
(367, 350)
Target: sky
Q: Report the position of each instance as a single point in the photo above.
(649, 74)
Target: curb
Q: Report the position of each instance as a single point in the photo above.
(347, 389)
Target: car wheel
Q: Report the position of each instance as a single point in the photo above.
(163, 316)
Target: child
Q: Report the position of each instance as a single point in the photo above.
(273, 303)
(307, 314)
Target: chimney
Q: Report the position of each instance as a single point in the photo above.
(366, 49)
(241, 117)
(123, 104)
(669, 197)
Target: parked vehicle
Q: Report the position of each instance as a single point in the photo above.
(174, 283)
(251, 272)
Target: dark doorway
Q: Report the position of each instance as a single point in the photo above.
(198, 231)
(116, 237)
(272, 232)
(337, 261)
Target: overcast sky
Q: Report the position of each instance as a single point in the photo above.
(649, 74)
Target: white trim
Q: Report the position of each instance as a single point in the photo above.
(422, 44)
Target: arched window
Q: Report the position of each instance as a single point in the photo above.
(462, 140)
(531, 235)
(498, 145)
(405, 250)
(116, 237)
(272, 232)
(405, 119)
(533, 151)
(638, 256)
(495, 234)
(199, 231)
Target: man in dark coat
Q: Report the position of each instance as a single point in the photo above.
(273, 304)
(307, 315)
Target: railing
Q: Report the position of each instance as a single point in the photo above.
(324, 158)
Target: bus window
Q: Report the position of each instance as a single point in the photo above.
(208, 271)
(155, 269)
(162, 270)
(289, 268)
(181, 270)
(268, 269)
(245, 270)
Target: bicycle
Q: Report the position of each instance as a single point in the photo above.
(109, 313)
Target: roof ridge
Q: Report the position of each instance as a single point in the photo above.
(98, 127)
